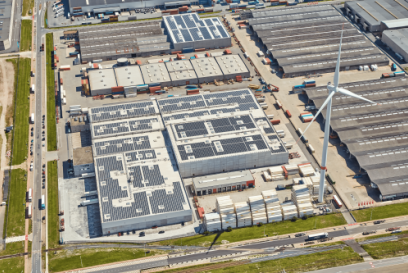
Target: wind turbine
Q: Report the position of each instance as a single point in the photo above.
(333, 89)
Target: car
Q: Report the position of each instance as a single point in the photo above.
(43, 165)
(43, 126)
(32, 128)
(32, 133)
(43, 116)
(378, 222)
(31, 153)
(369, 232)
(153, 227)
(161, 231)
(43, 144)
(300, 234)
(142, 234)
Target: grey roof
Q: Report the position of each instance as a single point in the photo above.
(396, 23)
(382, 159)
(206, 67)
(218, 180)
(191, 28)
(291, 17)
(298, 23)
(374, 145)
(155, 73)
(387, 176)
(5, 17)
(122, 111)
(260, 13)
(375, 11)
(399, 38)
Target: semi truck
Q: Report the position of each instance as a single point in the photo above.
(317, 236)
(29, 195)
(32, 118)
(42, 202)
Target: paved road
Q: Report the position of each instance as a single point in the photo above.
(37, 240)
(129, 268)
(398, 264)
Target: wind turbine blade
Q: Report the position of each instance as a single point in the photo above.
(337, 71)
(351, 94)
(318, 112)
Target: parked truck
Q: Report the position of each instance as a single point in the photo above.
(318, 236)
(32, 118)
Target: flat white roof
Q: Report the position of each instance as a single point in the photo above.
(129, 75)
(206, 67)
(231, 64)
(102, 79)
(155, 73)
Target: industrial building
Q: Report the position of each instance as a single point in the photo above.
(232, 66)
(181, 73)
(207, 70)
(6, 23)
(156, 74)
(370, 13)
(305, 40)
(222, 182)
(374, 134)
(128, 76)
(397, 40)
(110, 42)
(189, 31)
(258, 13)
(83, 161)
(101, 81)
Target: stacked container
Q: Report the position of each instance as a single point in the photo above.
(289, 210)
(243, 212)
(226, 209)
(306, 169)
(276, 173)
(301, 197)
(212, 222)
(266, 176)
(292, 169)
(273, 208)
(258, 209)
(306, 117)
(316, 184)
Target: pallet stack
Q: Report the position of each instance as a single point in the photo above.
(289, 210)
(301, 197)
(273, 208)
(244, 216)
(225, 208)
(306, 169)
(212, 221)
(258, 209)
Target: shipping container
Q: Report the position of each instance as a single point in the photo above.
(65, 67)
(29, 195)
(318, 236)
(29, 211)
(275, 121)
(288, 114)
(32, 118)
(32, 90)
(399, 73)
(337, 201)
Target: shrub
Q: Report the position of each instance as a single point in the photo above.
(229, 229)
(294, 219)
(260, 224)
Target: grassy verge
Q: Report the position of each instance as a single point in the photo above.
(22, 111)
(16, 210)
(329, 244)
(316, 261)
(51, 122)
(46, 18)
(13, 248)
(387, 249)
(381, 212)
(12, 265)
(71, 259)
(27, 5)
(254, 232)
(380, 236)
(52, 187)
(26, 35)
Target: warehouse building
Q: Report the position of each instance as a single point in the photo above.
(232, 66)
(207, 70)
(181, 73)
(306, 42)
(83, 161)
(394, 24)
(223, 182)
(155, 74)
(128, 40)
(6, 23)
(375, 135)
(128, 76)
(397, 40)
(188, 32)
(258, 13)
(101, 81)
(370, 13)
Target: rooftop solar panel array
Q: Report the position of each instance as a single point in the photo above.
(164, 202)
(184, 103)
(222, 147)
(276, 148)
(176, 34)
(122, 127)
(189, 22)
(140, 155)
(171, 22)
(122, 111)
(187, 115)
(186, 35)
(106, 147)
(195, 32)
(180, 22)
(198, 21)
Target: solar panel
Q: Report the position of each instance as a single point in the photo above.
(186, 35)
(208, 22)
(177, 37)
(197, 36)
(198, 20)
(215, 32)
(171, 23)
(222, 31)
(179, 21)
(206, 33)
(189, 22)
(122, 111)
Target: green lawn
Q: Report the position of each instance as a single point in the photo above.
(26, 35)
(22, 110)
(12, 265)
(13, 248)
(53, 225)
(27, 5)
(381, 212)
(254, 232)
(328, 259)
(17, 201)
(71, 259)
(387, 249)
(51, 121)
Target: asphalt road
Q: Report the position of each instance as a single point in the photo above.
(37, 239)
(134, 267)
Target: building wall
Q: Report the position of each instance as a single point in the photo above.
(231, 163)
(358, 18)
(125, 5)
(216, 43)
(224, 187)
(170, 218)
(97, 92)
(395, 47)
(85, 168)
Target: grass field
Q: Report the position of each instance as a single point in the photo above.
(387, 249)
(17, 200)
(12, 265)
(52, 187)
(13, 248)
(22, 111)
(254, 232)
(71, 259)
(381, 212)
(26, 35)
(27, 5)
(51, 122)
(332, 258)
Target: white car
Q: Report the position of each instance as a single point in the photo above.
(31, 166)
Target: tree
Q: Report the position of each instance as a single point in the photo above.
(229, 229)
(294, 219)
(260, 224)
